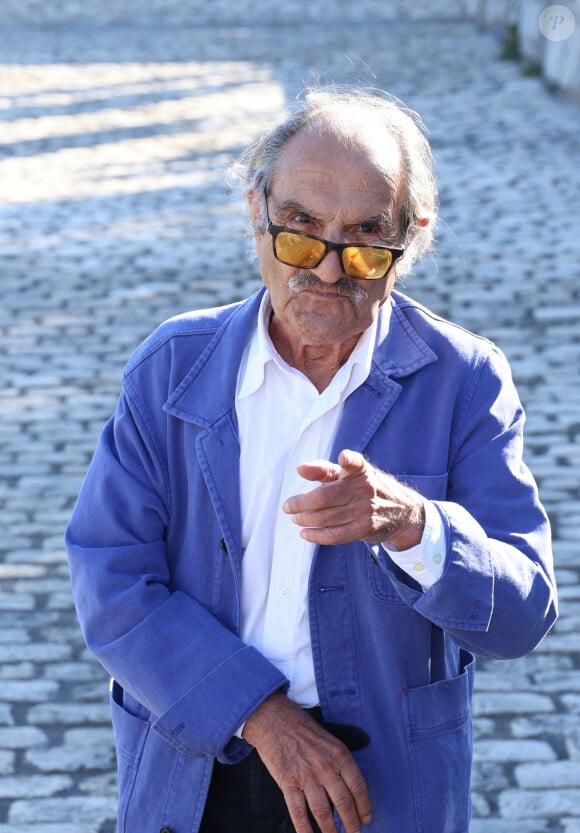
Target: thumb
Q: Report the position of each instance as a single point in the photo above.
(351, 463)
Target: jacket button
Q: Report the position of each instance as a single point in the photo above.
(165, 830)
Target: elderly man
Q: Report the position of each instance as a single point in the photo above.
(308, 512)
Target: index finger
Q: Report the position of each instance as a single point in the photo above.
(322, 470)
(323, 497)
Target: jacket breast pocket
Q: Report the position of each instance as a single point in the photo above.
(430, 486)
(156, 782)
(439, 738)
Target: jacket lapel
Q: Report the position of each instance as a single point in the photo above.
(400, 351)
(208, 391)
(206, 398)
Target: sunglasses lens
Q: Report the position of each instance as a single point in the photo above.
(366, 262)
(297, 250)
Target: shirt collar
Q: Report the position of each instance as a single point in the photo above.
(260, 351)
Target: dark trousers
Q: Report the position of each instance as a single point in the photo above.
(244, 798)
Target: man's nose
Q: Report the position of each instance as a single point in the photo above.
(330, 268)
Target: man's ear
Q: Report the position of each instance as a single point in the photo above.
(253, 199)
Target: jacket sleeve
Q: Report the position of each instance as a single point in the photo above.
(497, 595)
(196, 677)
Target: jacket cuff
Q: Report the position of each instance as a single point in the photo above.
(204, 721)
(425, 563)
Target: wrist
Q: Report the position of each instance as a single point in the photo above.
(410, 534)
(255, 724)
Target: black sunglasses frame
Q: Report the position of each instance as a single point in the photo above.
(329, 246)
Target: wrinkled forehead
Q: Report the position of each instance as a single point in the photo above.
(355, 162)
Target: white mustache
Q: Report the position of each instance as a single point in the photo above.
(345, 287)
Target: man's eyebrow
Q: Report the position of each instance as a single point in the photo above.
(383, 218)
(292, 205)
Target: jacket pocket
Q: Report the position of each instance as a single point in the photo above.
(131, 731)
(158, 786)
(431, 486)
(439, 738)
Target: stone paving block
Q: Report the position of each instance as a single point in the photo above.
(60, 827)
(554, 682)
(548, 775)
(498, 702)
(27, 691)
(34, 652)
(21, 737)
(10, 571)
(72, 759)
(495, 825)
(68, 713)
(47, 585)
(18, 601)
(33, 786)
(18, 671)
(537, 725)
(86, 810)
(13, 635)
(515, 804)
(513, 750)
(74, 671)
(27, 618)
(535, 662)
(500, 680)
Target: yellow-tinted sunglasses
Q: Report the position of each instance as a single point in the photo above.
(306, 251)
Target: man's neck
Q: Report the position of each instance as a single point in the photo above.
(318, 362)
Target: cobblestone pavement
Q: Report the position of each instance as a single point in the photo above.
(115, 135)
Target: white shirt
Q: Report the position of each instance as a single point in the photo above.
(283, 421)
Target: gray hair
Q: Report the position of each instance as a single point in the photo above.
(339, 111)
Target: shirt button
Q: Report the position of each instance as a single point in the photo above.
(285, 592)
(418, 566)
(438, 558)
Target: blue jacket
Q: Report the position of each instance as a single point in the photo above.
(154, 548)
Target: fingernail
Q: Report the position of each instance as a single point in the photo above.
(285, 506)
(367, 820)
